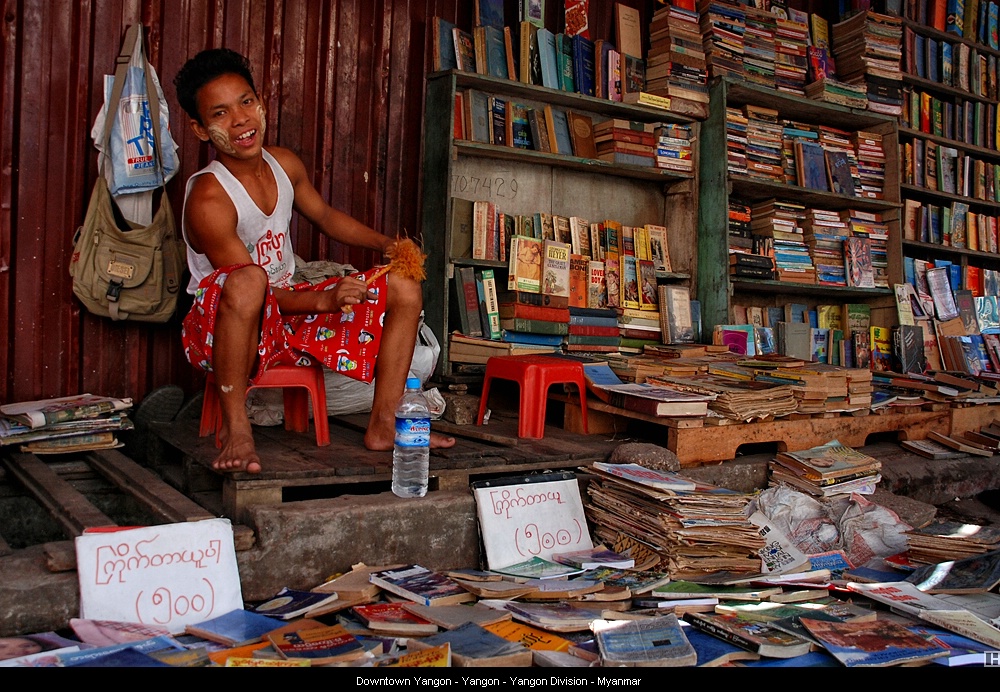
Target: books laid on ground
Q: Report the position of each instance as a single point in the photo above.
(421, 585)
(901, 596)
(474, 646)
(656, 400)
(713, 651)
(832, 460)
(657, 641)
(687, 589)
(592, 558)
(872, 643)
(355, 585)
(757, 637)
(288, 604)
(109, 632)
(235, 627)
(948, 540)
(320, 645)
(433, 657)
(533, 638)
(67, 433)
(638, 582)
(538, 568)
(555, 617)
(451, 616)
(967, 624)
(976, 574)
(393, 619)
(654, 478)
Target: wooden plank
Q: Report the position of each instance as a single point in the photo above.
(695, 446)
(71, 510)
(163, 500)
(973, 417)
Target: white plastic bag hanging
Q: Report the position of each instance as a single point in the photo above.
(133, 155)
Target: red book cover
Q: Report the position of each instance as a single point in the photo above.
(533, 312)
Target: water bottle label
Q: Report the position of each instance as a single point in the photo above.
(413, 432)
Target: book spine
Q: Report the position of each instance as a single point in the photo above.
(492, 306)
(518, 324)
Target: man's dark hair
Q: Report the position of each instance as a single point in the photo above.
(202, 69)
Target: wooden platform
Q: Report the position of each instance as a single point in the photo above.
(695, 442)
(74, 512)
(292, 461)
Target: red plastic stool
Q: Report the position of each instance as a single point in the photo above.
(533, 374)
(292, 379)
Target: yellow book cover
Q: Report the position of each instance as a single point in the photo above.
(528, 636)
(434, 657)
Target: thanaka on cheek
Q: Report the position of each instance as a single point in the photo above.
(262, 116)
(220, 139)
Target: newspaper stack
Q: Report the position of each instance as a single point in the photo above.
(827, 470)
(67, 424)
(697, 529)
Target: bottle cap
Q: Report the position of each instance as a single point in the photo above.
(413, 383)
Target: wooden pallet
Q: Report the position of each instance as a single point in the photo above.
(74, 512)
(293, 461)
(709, 440)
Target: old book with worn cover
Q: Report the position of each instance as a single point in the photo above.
(581, 130)
(656, 641)
(872, 643)
(421, 585)
(556, 268)
(752, 636)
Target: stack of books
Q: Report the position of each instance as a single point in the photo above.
(628, 142)
(869, 225)
(764, 143)
(824, 233)
(791, 40)
(66, 424)
(826, 470)
(673, 147)
(841, 93)
(868, 49)
(592, 330)
(842, 171)
(675, 62)
(695, 528)
(736, 141)
(722, 29)
(871, 164)
(792, 132)
(778, 224)
(638, 329)
(758, 47)
(818, 388)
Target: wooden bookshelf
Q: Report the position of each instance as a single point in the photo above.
(521, 181)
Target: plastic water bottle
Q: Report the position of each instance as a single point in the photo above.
(411, 453)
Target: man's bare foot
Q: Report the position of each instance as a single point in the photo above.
(238, 454)
(382, 441)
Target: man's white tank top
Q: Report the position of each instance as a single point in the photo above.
(266, 236)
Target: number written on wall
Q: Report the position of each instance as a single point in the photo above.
(491, 187)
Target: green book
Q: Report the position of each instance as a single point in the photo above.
(521, 324)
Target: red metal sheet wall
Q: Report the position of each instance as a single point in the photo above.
(344, 83)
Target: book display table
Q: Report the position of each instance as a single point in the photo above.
(698, 441)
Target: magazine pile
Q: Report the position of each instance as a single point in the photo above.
(67, 424)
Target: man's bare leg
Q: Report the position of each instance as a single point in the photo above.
(237, 333)
(399, 335)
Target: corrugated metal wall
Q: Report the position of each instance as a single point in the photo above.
(344, 80)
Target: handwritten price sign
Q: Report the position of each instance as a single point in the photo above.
(171, 576)
(525, 518)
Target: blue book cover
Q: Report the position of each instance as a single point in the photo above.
(583, 65)
(560, 123)
(490, 13)
(933, 60)
(919, 56)
(445, 48)
(991, 31)
(946, 65)
(496, 52)
(955, 17)
(549, 59)
(241, 625)
(513, 337)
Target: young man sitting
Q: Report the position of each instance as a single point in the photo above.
(246, 316)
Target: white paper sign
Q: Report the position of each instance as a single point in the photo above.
(522, 518)
(779, 553)
(171, 575)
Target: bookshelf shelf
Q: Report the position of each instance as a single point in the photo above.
(931, 85)
(555, 97)
(717, 290)
(969, 120)
(973, 149)
(791, 288)
(936, 248)
(917, 191)
(931, 32)
(525, 182)
(492, 151)
(757, 189)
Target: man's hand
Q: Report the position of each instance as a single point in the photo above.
(350, 291)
